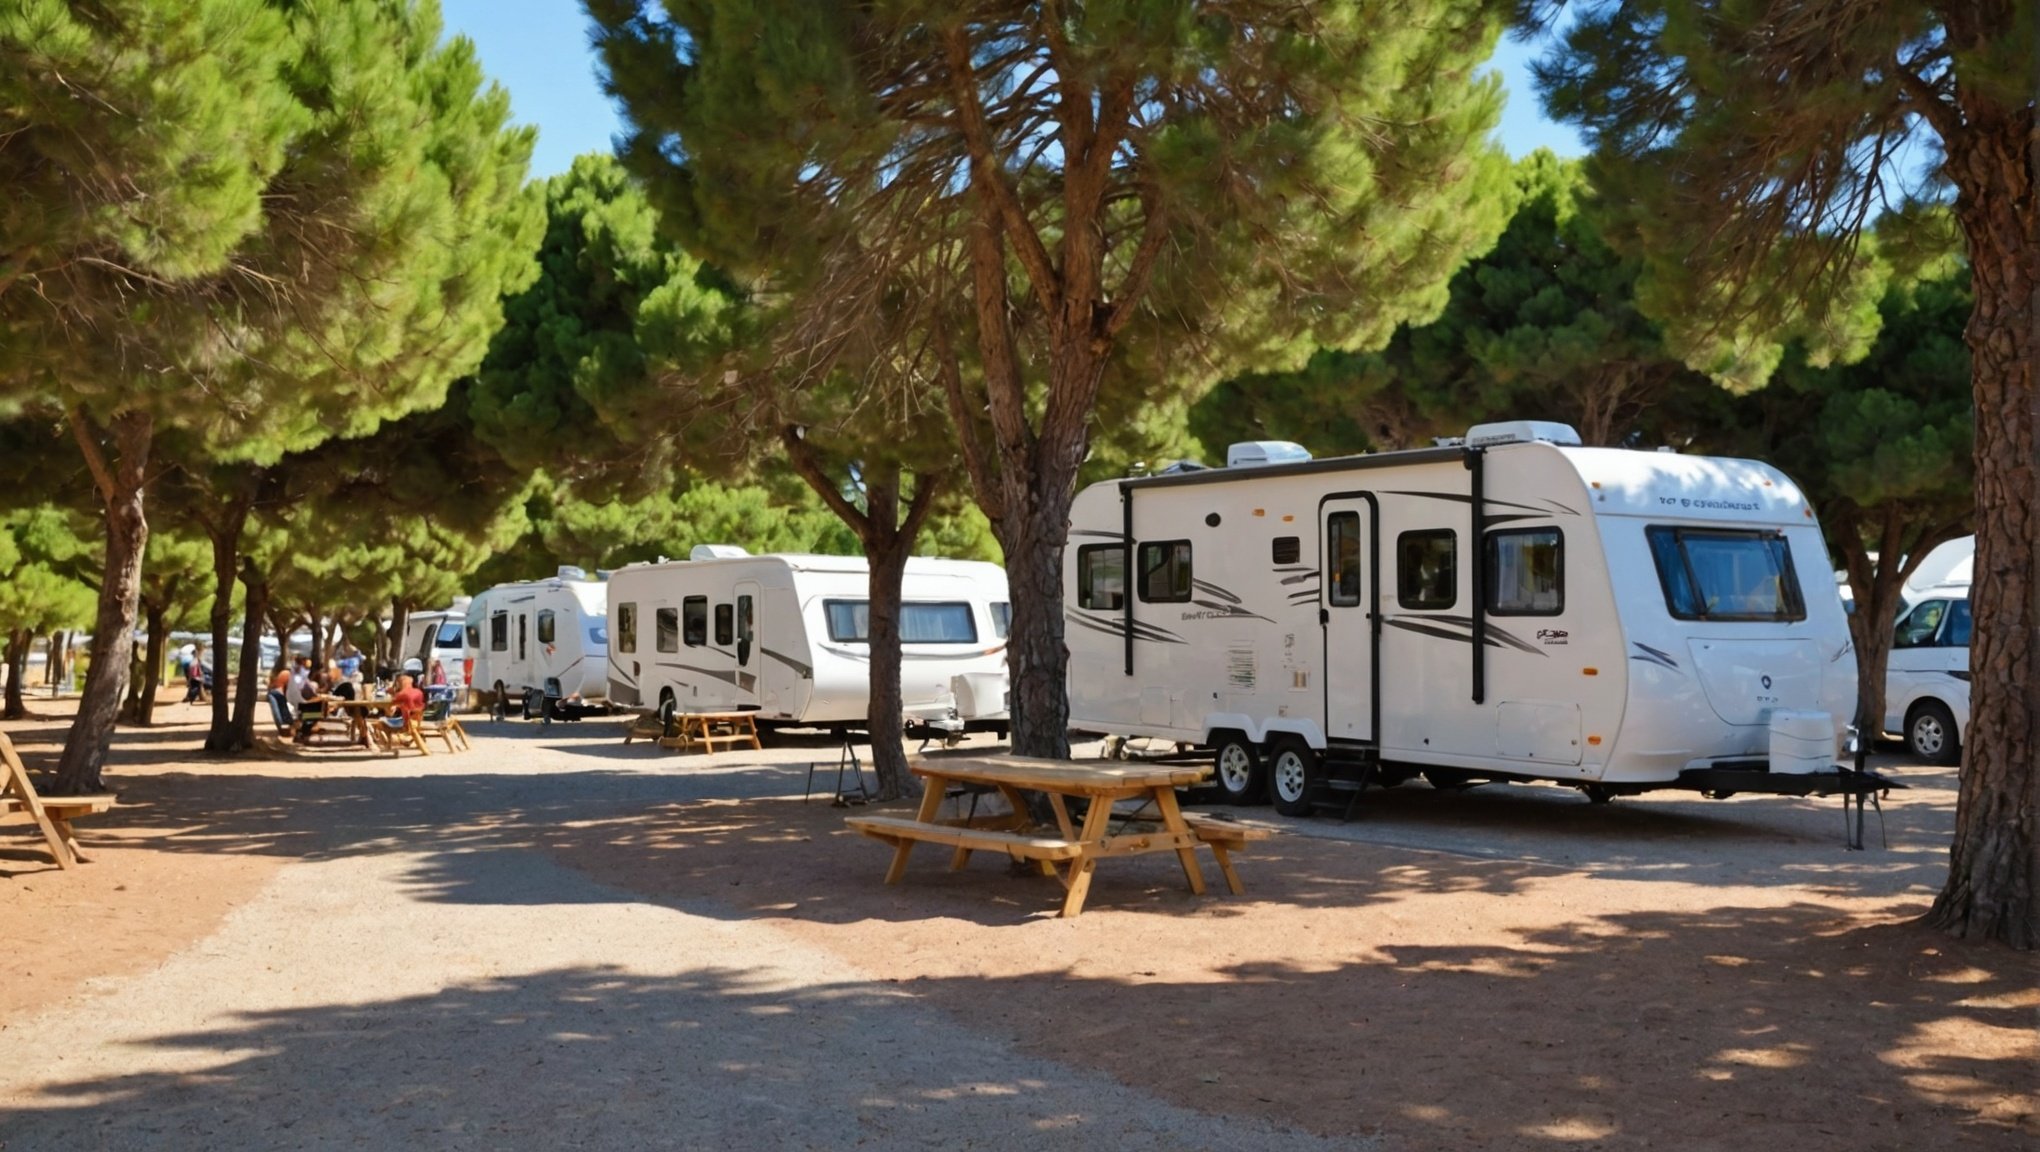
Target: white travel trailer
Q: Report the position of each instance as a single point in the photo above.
(1510, 606)
(543, 639)
(784, 635)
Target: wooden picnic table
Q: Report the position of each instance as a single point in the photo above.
(691, 730)
(52, 814)
(1077, 847)
(358, 713)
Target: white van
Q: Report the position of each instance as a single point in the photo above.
(440, 636)
(1926, 685)
(1513, 606)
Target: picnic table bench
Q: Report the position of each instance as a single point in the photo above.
(52, 814)
(690, 730)
(1076, 847)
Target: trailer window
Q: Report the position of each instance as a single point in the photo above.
(1342, 558)
(1002, 618)
(1165, 572)
(474, 637)
(1286, 550)
(598, 635)
(694, 621)
(666, 623)
(449, 635)
(523, 636)
(920, 623)
(499, 632)
(1101, 577)
(1427, 569)
(546, 629)
(744, 618)
(1526, 572)
(626, 627)
(725, 624)
(1726, 574)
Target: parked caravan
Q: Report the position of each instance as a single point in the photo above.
(1510, 606)
(440, 636)
(785, 635)
(540, 640)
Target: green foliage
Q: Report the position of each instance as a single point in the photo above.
(40, 555)
(1546, 325)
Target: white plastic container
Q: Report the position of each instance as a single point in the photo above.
(1802, 742)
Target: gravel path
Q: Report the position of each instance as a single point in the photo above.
(361, 1002)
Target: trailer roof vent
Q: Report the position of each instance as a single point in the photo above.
(570, 572)
(1254, 453)
(1521, 432)
(716, 552)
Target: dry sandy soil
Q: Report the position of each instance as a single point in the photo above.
(1497, 968)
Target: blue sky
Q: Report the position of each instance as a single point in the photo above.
(538, 50)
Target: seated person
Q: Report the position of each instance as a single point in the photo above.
(406, 704)
(338, 683)
(279, 688)
(315, 693)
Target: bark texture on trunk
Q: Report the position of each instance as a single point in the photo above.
(400, 614)
(20, 643)
(121, 481)
(147, 677)
(1993, 886)
(249, 683)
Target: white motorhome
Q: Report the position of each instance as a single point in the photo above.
(1926, 684)
(540, 639)
(1509, 606)
(785, 635)
(440, 636)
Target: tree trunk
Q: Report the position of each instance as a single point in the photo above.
(152, 675)
(59, 650)
(400, 614)
(318, 630)
(226, 532)
(19, 643)
(249, 683)
(1035, 651)
(121, 482)
(1992, 890)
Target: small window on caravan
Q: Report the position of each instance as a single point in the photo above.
(626, 627)
(598, 635)
(1526, 572)
(1427, 569)
(1165, 572)
(546, 629)
(744, 619)
(474, 637)
(666, 622)
(1726, 574)
(499, 632)
(1002, 618)
(1287, 550)
(523, 636)
(1101, 577)
(1342, 559)
(694, 621)
(725, 624)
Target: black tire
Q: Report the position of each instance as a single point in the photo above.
(1930, 734)
(668, 708)
(1292, 775)
(1237, 775)
(1447, 779)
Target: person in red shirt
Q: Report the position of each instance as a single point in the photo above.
(407, 702)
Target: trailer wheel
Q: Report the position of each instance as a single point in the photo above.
(668, 708)
(1930, 734)
(1597, 793)
(1292, 771)
(1236, 771)
(499, 706)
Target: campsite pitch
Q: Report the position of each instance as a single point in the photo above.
(558, 940)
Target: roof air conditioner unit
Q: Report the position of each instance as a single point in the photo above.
(716, 552)
(570, 572)
(1255, 453)
(1521, 432)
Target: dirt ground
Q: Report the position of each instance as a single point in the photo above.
(1500, 968)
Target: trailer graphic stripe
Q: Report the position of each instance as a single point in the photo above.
(1438, 626)
(729, 678)
(1114, 628)
(806, 673)
(1650, 655)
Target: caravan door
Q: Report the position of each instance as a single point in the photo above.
(748, 657)
(1349, 613)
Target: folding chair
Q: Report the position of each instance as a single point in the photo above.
(440, 723)
(394, 738)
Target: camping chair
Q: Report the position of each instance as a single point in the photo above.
(316, 718)
(438, 721)
(397, 732)
(279, 711)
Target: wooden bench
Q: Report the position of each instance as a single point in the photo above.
(1225, 837)
(52, 814)
(965, 839)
